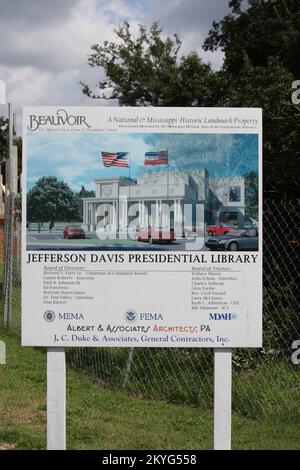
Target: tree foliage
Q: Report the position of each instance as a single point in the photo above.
(50, 200)
(147, 70)
(85, 192)
(268, 28)
(261, 43)
(262, 58)
(269, 87)
(251, 194)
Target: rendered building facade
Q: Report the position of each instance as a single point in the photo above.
(178, 198)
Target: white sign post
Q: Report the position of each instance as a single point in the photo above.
(166, 252)
(222, 399)
(56, 399)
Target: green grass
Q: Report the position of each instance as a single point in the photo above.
(100, 418)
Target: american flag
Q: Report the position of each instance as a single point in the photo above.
(115, 159)
(157, 158)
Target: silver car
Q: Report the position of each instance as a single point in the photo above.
(236, 240)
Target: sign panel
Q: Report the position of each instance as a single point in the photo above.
(142, 227)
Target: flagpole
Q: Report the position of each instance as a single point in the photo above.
(129, 162)
(168, 188)
(118, 212)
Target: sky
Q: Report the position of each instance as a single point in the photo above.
(76, 157)
(44, 45)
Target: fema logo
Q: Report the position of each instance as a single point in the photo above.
(130, 316)
(49, 316)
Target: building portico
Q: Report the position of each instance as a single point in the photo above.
(117, 215)
(162, 198)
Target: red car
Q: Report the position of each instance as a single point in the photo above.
(157, 235)
(73, 231)
(221, 229)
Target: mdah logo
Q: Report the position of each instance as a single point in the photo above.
(130, 316)
(222, 316)
(49, 316)
(61, 118)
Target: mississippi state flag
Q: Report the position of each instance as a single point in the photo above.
(115, 159)
(157, 158)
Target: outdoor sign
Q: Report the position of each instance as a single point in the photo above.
(142, 227)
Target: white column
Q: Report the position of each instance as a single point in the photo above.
(126, 212)
(114, 209)
(180, 213)
(118, 214)
(166, 213)
(175, 212)
(92, 216)
(176, 215)
(140, 213)
(83, 213)
(121, 214)
(156, 212)
(143, 213)
(160, 213)
(95, 214)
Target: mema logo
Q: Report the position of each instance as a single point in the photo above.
(222, 316)
(70, 316)
(61, 118)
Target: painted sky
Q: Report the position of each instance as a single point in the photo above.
(76, 158)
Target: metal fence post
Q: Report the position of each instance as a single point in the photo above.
(128, 366)
(7, 261)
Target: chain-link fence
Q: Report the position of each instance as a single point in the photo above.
(264, 380)
(11, 276)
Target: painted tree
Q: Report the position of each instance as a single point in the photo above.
(251, 195)
(51, 200)
(85, 192)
